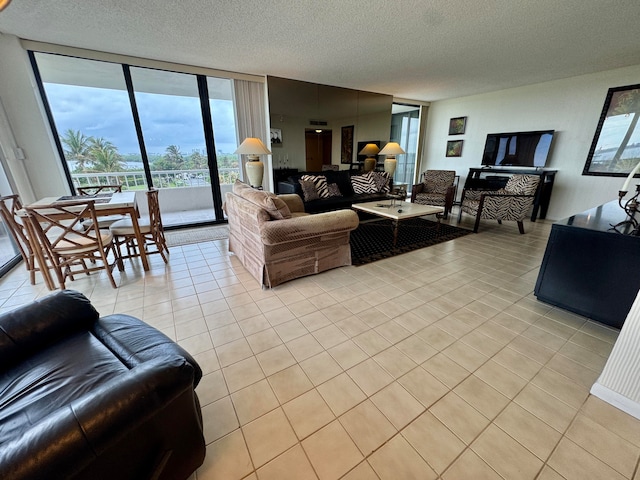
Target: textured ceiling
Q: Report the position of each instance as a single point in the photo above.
(422, 50)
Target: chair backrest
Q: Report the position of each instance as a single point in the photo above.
(522, 184)
(155, 220)
(9, 207)
(63, 226)
(96, 189)
(438, 181)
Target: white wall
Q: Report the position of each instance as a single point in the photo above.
(571, 107)
(22, 105)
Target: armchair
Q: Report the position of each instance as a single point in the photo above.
(510, 203)
(437, 188)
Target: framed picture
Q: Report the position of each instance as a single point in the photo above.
(346, 147)
(615, 149)
(454, 148)
(456, 125)
(276, 137)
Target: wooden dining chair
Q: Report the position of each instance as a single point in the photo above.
(10, 205)
(69, 240)
(92, 190)
(104, 221)
(151, 229)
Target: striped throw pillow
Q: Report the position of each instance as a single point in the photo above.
(363, 184)
(320, 181)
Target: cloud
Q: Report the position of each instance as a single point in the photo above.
(165, 119)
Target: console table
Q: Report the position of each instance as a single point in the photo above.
(588, 268)
(496, 178)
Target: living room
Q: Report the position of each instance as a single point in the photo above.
(416, 292)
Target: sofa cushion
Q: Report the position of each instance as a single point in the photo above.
(309, 190)
(274, 206)
(320, 181)
(382, 181)
(363, 184)
(334, 190)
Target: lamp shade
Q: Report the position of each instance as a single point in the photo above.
(4, 4)
(392, 148)
(370, 149)
(252, 146)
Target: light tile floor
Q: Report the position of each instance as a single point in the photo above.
(439, 363)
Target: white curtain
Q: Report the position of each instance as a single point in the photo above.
(251, 116)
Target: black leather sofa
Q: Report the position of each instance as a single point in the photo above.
(342, 178)
(83, 397)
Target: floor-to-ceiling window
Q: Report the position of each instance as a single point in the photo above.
(405, 129)
(9, 253)
(143, 127)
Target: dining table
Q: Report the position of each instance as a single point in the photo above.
(117, 203)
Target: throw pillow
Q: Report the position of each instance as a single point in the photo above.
(274, 206)
(334, 190)
(363, 184)
(320, 181)
(382, 181)
(309, 190)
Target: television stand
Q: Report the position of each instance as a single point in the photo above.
(491, 178)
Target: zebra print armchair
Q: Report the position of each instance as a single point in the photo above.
(511, 203)
(437, 188)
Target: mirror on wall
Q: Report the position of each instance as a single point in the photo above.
(311, 118)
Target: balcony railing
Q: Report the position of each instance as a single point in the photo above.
(160, 178)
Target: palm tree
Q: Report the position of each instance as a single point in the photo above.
(78, 147)
(173, 156)
(627, 103)
(105, 156)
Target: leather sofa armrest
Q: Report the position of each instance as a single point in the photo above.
(293, 201)
(66, 442)
(299, 228)
(135, 342)
(286, 187)
(32, 327)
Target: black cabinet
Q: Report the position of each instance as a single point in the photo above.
(494, 179)
(590, 269)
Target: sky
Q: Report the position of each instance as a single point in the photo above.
(166, 119)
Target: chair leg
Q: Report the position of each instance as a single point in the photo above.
(477, 224)
(520, 227)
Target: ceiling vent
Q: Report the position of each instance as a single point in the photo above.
(320, 123)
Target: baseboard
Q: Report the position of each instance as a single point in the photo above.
(617, 400)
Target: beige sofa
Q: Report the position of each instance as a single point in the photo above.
(277, 241)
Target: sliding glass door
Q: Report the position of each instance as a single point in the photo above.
(9, 253)
(143, 127)
(405, 129)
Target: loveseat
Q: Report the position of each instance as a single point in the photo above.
(277, 241)
(84, 397)
(350, 187)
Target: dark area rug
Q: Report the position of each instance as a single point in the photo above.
(373, 240)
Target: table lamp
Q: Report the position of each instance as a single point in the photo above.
(391, 149)
(371, 151)
(253, 148)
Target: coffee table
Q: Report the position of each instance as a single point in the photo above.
(397, 211)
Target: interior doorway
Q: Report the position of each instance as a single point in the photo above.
(317, 149)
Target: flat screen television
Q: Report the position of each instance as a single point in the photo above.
(518, 149)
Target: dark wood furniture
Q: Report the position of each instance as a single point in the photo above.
(590, 269)
(496, 178)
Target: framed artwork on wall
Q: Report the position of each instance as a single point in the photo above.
(457, 125)
(346, 147)
(615, 149)
(454, 148)
(276, 137)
